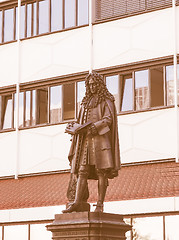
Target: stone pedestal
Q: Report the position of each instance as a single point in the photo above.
(88, 226)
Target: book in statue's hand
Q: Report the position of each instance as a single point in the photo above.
(76, 128)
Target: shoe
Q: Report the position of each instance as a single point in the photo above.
(99, 207)
(72, 208)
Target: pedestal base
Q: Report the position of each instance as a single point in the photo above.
(88, 226)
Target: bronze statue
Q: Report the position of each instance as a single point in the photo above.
(94, 152)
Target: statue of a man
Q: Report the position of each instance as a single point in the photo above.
(94, 153)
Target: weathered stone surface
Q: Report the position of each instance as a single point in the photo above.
(88, 226)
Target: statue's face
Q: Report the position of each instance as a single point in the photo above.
(92, 86)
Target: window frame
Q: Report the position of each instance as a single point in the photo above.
(35, 32)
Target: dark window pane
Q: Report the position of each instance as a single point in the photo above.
(42, 106)
(22, 22)
(141, 90)
(80, 93)
(56, 15)
(55, 104)
(29, 20)
(70, 13)
(157, 90)
(34, 19)
(8, 25)
(6, 113)
(0, 26)
(112, 84)
(68, 101)
(43, 16)
(126, 92)
(82, 12)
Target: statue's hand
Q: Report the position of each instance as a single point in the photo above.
(92, 130)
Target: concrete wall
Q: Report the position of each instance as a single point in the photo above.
(143, 136)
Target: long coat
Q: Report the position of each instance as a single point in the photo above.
(105, 142)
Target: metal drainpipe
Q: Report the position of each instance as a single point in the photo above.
(91, 35)
(17, 91)
(175, 76)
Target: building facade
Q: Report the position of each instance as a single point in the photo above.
(47, 47)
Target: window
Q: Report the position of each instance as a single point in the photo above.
(157, 87)
(106, 9)
(0, 26)
(112, 83)
(141, 90)
(170, 84)
(9, 25)
(43, 16)
(70, 13)
(38, 231)
(6, 111)
(18, 231)
(68, 101)
(56, 104)
(34, 18)
(82, 12)
(56, 15)
(21, 111)
(29, 20)
(80, 93)
(39, 17)
(23, 21)
(171, 226)
(42, 105)
(126, 90)
(148, 228)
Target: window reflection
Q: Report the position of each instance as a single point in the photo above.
(7, 111)
(55, 104)
(171, 227)
(56, 15)
(112, 83)
(148, 228)
(82, 12)
(141, 90)
(19, 231)
(170, 84)
(126, 89)
(43, 16)
(70, 13)
(8, 25)
(80, 93)
(42, 105)
(29, 20)
(0, 26)
(68, 101)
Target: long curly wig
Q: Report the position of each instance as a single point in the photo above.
(102, 91)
